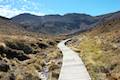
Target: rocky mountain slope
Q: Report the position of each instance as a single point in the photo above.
(61, 24)
(7, 27)
(55, 24)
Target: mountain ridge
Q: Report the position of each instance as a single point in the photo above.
(53, 24)
(60, 24)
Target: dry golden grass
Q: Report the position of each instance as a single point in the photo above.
(100, 51)
(49, 56)
(39, 50)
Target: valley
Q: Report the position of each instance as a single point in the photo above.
(29, 51)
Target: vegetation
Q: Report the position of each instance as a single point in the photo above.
(23, 58)
(99, 49)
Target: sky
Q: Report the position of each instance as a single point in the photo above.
(10, 8)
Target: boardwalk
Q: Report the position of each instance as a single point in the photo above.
(73, 68)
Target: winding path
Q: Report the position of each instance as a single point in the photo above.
(73, 68)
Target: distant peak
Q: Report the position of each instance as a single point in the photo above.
(4, 18)
(76, 14)
(25, 14)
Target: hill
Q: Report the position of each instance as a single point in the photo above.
(6, 26)
(55, 24)
(61, 24)
(24, 55)
(99, 48)
(28, 47)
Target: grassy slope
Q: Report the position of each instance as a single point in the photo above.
(43, 55)
(99, 49)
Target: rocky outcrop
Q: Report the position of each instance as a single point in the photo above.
(4, 67)
(42, 45)
(10, 52)
(20, 46)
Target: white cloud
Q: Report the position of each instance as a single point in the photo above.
(25, 6)
(9, 12)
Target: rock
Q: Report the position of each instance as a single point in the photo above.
(42, 45)
(4, 67)
(51, 43)
(55, 75)
(17, 54)
(20, 46)
(57, 41)
(2, 45)
(11, 54)
(12, 77)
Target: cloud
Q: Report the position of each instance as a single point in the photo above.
(9, 9)
(7, 12)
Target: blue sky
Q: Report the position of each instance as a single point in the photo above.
(10, 8)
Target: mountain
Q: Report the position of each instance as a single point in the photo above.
(8, 27)
(61, 24)
(55, 24)
(24, 54)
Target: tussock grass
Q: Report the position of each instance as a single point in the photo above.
(39, 57)
(101, 56)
